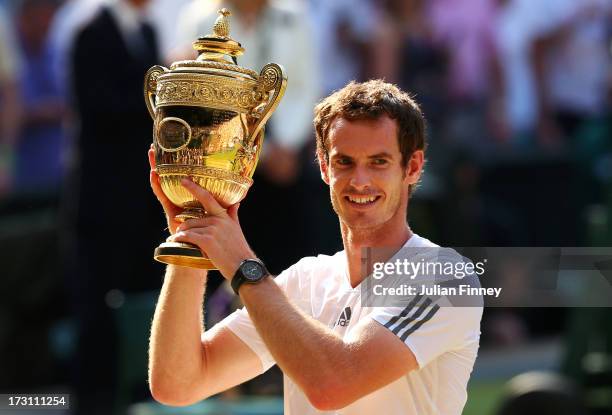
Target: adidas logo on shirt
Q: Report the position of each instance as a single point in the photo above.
(345, 317)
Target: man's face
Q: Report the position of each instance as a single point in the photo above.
(368, 184)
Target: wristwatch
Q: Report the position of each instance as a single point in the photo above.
(250, 271)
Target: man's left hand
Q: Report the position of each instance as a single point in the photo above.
(218, 235)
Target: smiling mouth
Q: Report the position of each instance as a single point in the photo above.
(362, 200)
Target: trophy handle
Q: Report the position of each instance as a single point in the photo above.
(150, 87)
(271, 78)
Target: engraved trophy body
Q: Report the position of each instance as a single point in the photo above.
(209, 117)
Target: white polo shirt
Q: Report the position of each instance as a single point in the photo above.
(444, 340)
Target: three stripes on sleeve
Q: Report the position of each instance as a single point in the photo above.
(406, 323)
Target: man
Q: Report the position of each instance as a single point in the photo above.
(336, 354)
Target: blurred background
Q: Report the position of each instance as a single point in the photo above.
(518, 96)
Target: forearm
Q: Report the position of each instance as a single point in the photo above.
(306, 350)
(175, 348)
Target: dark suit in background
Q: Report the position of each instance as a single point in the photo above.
(117, 221)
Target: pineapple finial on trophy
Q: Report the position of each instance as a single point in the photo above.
(218, 46)
(222, 25)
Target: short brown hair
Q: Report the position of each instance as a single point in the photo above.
(369, 101)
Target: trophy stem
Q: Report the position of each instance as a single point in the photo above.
(191, 213)
(182, 253)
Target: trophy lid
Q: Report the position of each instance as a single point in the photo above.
(214, 80)
(217, 50)
(219, 42)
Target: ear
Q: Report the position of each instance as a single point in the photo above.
(414, 168)
(324, 168)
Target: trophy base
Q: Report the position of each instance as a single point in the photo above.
(182, 254)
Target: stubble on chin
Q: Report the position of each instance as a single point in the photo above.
(357, 226)
(363, 227)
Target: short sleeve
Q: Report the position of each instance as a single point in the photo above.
(429, 329)
(240, 323)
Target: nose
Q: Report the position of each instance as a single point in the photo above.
(360, 179)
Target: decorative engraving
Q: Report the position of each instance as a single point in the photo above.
(270, 76)
(272, 79)
(228, 188)
(150, 86)
(153, 80)
(185, 170)
(238, 96)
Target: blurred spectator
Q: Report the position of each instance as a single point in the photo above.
(443, 53)
(418, 65)
(40, 146)
(10, 106)
(464, 29)
(345, 38)
(572, 63)
(270, 31)
(556, 64)
(68, 20)
(165, 13)
(110, 56)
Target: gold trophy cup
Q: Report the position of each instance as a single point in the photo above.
(209, 117)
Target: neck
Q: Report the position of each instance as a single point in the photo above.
(391, 236)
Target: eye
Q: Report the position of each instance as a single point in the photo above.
(380, 162)
(344, 161)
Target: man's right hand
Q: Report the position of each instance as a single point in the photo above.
(170, 209)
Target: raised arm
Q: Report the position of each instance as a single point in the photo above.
(188, 363)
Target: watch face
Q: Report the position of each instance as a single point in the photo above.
(252, 270)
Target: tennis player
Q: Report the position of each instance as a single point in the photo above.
(336, 354)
